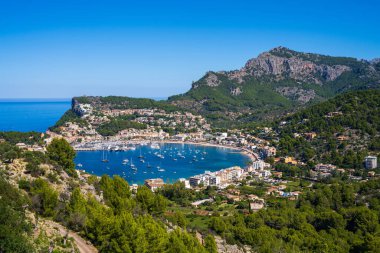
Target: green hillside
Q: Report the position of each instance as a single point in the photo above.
(347, 128)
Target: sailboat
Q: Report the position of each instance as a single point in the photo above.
(140, 156)
(125, 161)
(104, 157)
(149, 166)
(133, 167)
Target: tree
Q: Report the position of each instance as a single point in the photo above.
(60, 151)
(210, 244)
(44, 198)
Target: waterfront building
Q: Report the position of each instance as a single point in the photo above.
(194, 181)
(185, 182)
(154, 184)
(214, 180)
(259, 165)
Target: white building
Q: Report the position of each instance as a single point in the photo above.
(185, 182)
(370, 162)
(258, 165)
(214, 180)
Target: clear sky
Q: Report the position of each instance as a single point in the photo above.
(60, 49)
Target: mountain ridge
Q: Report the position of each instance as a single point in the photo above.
(277, 80)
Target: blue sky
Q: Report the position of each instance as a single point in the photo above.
(60, 49)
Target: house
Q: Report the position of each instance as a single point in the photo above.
(277, 174)
(290, 160)
(324, 167)
(310, 135)
(371, 173)
(342, 138)
(154, 184)
(21, 145)
(256, 206)
(370, 162)
(269, 151)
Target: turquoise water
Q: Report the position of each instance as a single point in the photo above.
(30, 114)
(196, 160)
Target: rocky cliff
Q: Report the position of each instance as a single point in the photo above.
(277, 81)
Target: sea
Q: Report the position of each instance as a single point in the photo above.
(170, 162)
(179, 160)
(25, 115)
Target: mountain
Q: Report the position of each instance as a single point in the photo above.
(275, 82)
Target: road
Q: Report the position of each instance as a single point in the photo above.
(83, 245)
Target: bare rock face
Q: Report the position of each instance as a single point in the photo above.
(223, 247)
(210, 79)
(296, 93)
(280, 63)
(236, 91)
(293, 67)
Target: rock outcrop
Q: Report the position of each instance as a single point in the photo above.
(280, 63)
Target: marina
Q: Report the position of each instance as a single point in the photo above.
(169, 161)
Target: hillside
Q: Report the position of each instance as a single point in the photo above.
(275, 82)
(96, 118)
(340, 131)
(39, 190)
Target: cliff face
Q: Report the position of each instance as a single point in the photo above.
(294, 67)
(278, 79)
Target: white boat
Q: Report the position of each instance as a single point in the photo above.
(154, 146)
(161, 170)
(80, 165)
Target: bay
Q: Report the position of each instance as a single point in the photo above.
(179, 161)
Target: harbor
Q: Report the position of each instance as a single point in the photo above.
(169, 161)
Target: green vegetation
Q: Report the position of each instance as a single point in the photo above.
(14, 227)
(60, 152)
(22, 137)
(257, 99)
(68, 116)
(355, 116)
(125, 223)
(117, 102)
(9, 152)
(117, 124)
(327, 218)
